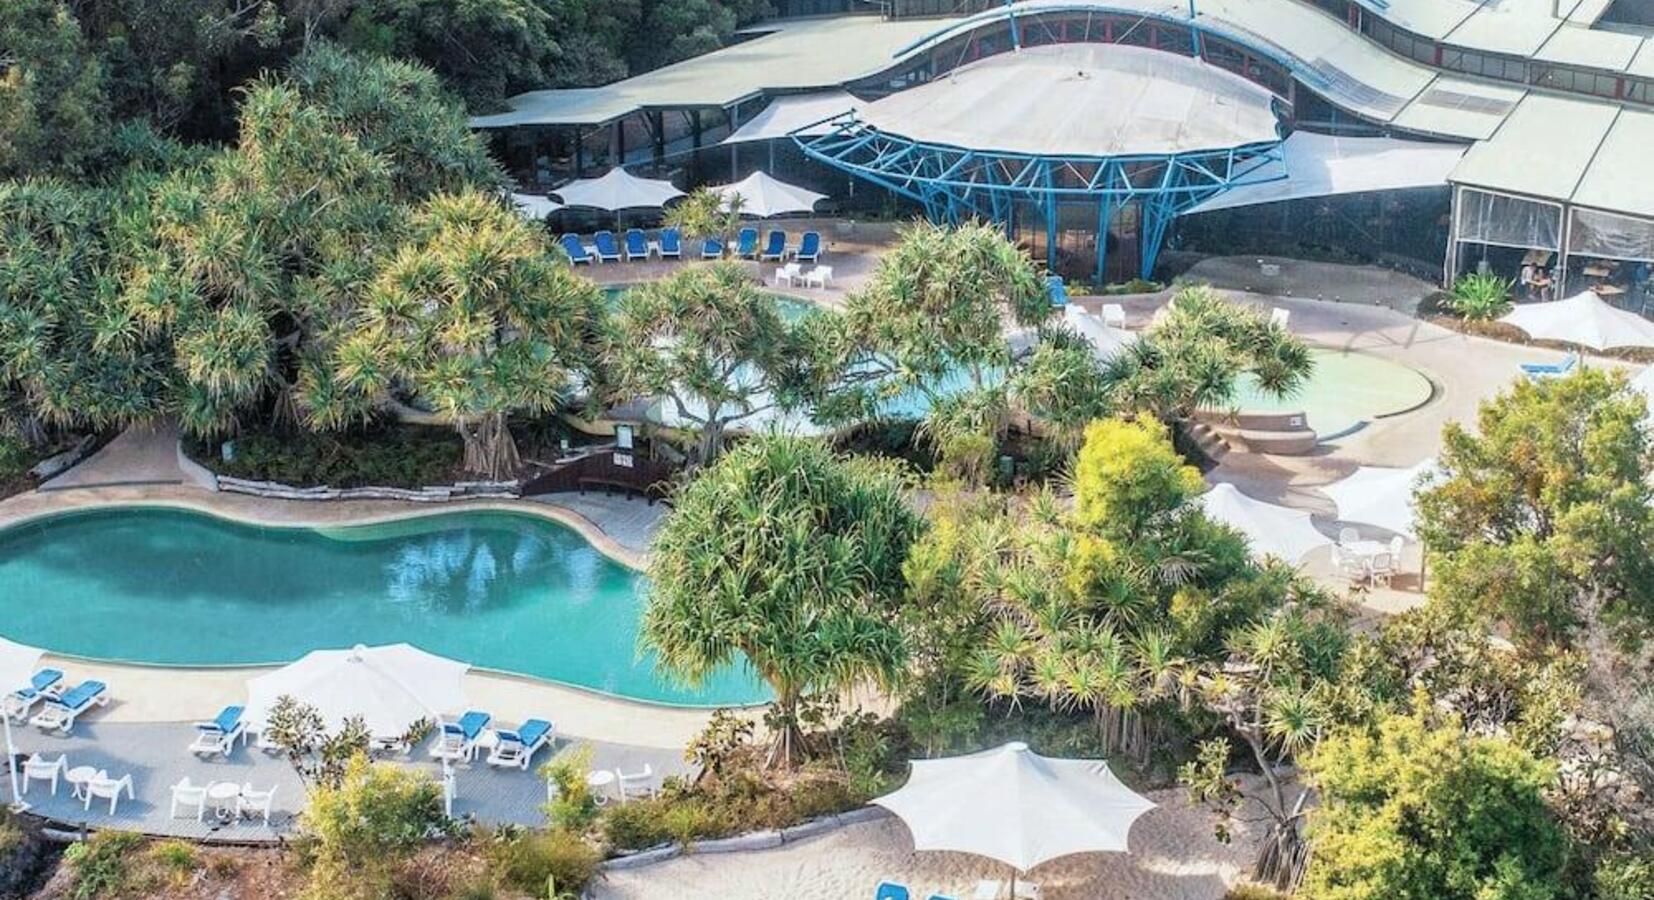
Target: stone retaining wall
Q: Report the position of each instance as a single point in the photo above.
(464, 490)
(755, 840)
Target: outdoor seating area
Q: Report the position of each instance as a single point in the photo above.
(638, 245)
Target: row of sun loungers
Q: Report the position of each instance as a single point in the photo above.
(59, 708)
(507, 747)
(637, 246)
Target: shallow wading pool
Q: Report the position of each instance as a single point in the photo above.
(500, 590)
(1345, 392)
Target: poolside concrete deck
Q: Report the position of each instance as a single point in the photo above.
(156, 757)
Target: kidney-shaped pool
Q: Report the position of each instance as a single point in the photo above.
(499, 590)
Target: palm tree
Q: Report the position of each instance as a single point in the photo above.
(473, 318)
(789, 557)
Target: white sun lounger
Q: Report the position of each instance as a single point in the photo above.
(45, 684)
(458, 740)
(517, 748)
(61, 712)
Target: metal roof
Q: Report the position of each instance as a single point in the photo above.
(1543, 149)
(1460, 108)
(1082, 100)
(1613, 181)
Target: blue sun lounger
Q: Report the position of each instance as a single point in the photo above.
(637, 246)
(809, 247)
(746, 243)
(61, 712)
(1551, 370)
(712, 248)
(775, 246)
(577, 251)
(517, 748)
(220, 734)
(1056, 290)
(890, 890)
(458, 740)
(607, 251)
(671, 244)
(45, 683)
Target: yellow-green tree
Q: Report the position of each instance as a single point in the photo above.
(360, 829)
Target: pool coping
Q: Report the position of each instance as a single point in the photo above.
(1363, 424)
(36, 505)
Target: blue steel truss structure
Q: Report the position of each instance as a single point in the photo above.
(955, 184)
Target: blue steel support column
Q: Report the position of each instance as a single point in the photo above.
(1016, 35)
(1050, 209)
(1105, 218)
(1194, 30)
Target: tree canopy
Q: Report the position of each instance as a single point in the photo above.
(788, 556)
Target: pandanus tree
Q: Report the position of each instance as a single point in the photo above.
(1194, 357)
(69, 355)
(709, 341)
(788, 557)
(472, 318)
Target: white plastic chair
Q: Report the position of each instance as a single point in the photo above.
(1350, 565)
(1114, 315)
(1279, 316)
(39, 768)
(820, 276)
(103, 787)
(636, 784)
(1348, 536)
(1381, 567)
(187, 793)
(255, 802)
(788, 274)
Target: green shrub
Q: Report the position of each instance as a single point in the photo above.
(101, 866)
(14, 459)
(572, 804)
(178, 857)
(359, 830)
(1134, 286)
(530, 861)
(1253, 892)
(394, 456)
(1624, 876)
(638, 825)
(1480, 297)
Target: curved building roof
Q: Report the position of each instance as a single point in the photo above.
(1090, 100)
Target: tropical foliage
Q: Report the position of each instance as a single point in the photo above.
(787, 557)
(1480, 297)
(709, 342)
(356, 831)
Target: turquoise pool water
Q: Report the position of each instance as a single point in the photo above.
(1346, 391)
(498, 590)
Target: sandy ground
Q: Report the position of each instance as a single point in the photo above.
(1174, 857)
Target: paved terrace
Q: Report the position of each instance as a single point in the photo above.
(155, 755)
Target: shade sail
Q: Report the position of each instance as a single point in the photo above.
(1319, 165)
(535, 206)
(1376, 495)
(764, 196)
(1273, 530)
(390, 687)
(1015, 806)
(1582, 319)
(1106, 340)
(618, 189)
(804, 114)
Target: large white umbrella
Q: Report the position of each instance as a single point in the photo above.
(1105, 339)
(1273, 530)
(18, 663)
(1015, 806)
(1376, 495)
(390, 687)
(763, 196)
(1582, 319)
(535, 206)
(618, 189)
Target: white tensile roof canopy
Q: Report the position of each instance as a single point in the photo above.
(763, 196)
(1015, 806)
(1092, 100)
(1582, 319)
(618, 189)
(1273, 530)
(805, 114)
(1320, 165)
(1376, 495)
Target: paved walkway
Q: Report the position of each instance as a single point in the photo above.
(143, 454)
(156, 756)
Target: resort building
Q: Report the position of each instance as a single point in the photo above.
(1439, 135)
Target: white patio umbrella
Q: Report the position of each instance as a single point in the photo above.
(18, 663)
(1377, 495)
(1015, 806)
(1106, 340)
(763, 196)
(535, 206)
(1582, 319)
(1273, 530)
(390, 687)
(1643, 383)
(617, 189)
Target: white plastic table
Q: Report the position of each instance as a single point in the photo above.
(79, 777)
(601, 781)
(223, 795)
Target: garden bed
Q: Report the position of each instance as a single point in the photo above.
(397, 456)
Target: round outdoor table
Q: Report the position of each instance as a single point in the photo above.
(600, 782)
(1367, 549)
(223, 795)
(79, 777)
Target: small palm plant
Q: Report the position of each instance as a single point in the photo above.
(1479, 298)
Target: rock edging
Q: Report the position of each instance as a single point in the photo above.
(462, 490)
(752, 840)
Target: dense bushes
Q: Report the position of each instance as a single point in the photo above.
(393, 456)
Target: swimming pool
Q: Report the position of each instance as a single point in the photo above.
(1346, 391)
(500, 590)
